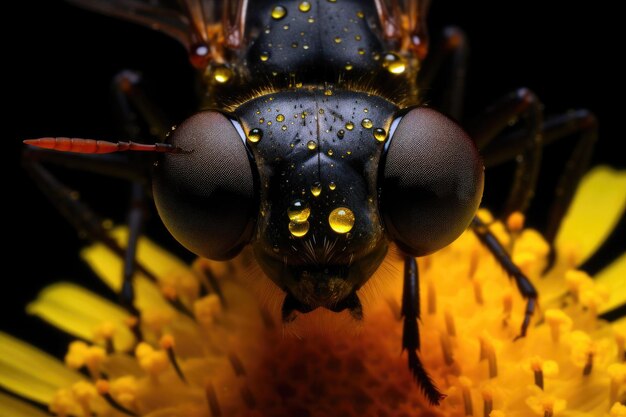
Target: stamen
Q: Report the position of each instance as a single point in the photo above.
(211, 397)
(478, 291)
(617, 372)
(538, 371)
(620, 339)
(167, 342)
(103, 387)
(557, 320)
(446, 349)
(450, 327)
(507, 307)
(431, 298)
(171, 295)
(235, 362)
(577, 280)
(473, 266)
(133, 325)
(589, 365)
(488, 352)
(467, 396)
(487, 402)
(92, 146)
(248, 397)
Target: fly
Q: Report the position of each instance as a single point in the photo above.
(313, 147)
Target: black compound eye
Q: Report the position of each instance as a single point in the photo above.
(206, 195)
(432, 182)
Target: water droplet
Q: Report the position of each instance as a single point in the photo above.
(332, 185)
(261, 120)
(360, 14)
(264, 56)
(304, 7)
(280, 118)
(286, 27)
(330, 152)
(361, 51)
(380, 134)
(321, 111)
(279, 12)
(341, 220)
(294, 44)
(310, 20)
(357, 38)
(394, 63)
(348, 67)
(367, 123)
(298, 211)
(299, 229)
(283, 128)
(255, 135)
(328, 92)
(316, 189)
(312, 145)
(305, 46)
(298, 85)
(337, 39)
(222, 74)
(349, 125)
(332, 1)
(366, 110)
(269, 122)
(341, 133)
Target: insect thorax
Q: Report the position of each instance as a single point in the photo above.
(327, 43)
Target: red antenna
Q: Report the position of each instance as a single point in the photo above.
(99, 146)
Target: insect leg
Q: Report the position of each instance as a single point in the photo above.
(453, 51)
(410, 331)
(525, 287)
(582, 126)
(520, 107)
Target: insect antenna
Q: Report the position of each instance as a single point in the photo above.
(92, 146)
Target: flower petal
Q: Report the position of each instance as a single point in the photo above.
(109, 266)
(597, 206)
(31, 373)
(80, 312)
(12, 407)
(613, 277)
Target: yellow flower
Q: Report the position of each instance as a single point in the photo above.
(201, 357)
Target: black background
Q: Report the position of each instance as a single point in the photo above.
(62, 59)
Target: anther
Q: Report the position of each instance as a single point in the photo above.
(167, 343)
(103, 387)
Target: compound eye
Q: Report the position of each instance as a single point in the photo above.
(432, 182)
(206, 195)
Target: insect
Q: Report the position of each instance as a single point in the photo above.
(314, 148)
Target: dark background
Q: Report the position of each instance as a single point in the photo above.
(62, 59)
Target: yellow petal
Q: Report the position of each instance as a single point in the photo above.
(31, 373)
(108, 266)
(613, 277)
(12, 407)
(80, 312)
(597, 206)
